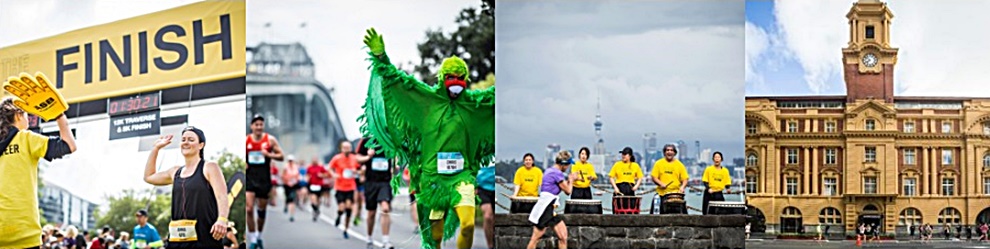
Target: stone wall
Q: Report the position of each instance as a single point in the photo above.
(628, 231)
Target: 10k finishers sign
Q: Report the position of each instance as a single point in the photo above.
(135, 125)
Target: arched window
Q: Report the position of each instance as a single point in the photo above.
(751, 160)
(909, 216)
(791, 212)
(986, 161)
(949, 216)
(830, 215)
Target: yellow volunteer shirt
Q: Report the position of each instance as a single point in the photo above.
(529, 181)
(717, 179)
(20, 225)
(625, 172)
(585, 170)
(671, 173)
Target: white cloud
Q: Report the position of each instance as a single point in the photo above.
(683, 83)
(757, 42)
(814, 32)
(942, 44)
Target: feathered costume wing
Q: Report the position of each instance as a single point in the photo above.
(414, 122)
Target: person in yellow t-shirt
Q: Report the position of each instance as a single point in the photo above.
(528, 178)
(670, 175)
(626, 175)
(586, 175)
(716, 179)
(20, 151)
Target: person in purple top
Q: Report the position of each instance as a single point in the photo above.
(554, 182)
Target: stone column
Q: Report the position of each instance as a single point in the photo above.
(814, 170)
(924, 171)
(807, 171)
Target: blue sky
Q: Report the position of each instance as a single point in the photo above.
(794, 47)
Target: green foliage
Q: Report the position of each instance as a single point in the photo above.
(121, 217)
(230, 164)
(473, 41)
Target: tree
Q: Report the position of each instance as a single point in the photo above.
(120, 216)
(474, 41)
(230, 164)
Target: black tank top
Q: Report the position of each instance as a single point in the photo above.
(193, 199)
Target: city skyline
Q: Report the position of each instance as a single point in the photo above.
(589, 49)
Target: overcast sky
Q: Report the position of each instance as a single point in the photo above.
(791, 50)
(101, 167)
(670, 67)
(334, 33)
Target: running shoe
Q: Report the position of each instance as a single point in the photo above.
(357, 220)
(337, 223)
(345, 235)
(371, 245)
(388, 245)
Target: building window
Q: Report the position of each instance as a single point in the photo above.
(871, 124)
(909, 127)
(751, 184)
(870, 185)
(871, 154)
(830, 215)
(869, 35)
(949, 216)
(792, 156)
(909, 186)
(751, 128)
(986, 185)
(909, 156)
(792, 127)
(830, 187)
(986, 128)
(948, 186)
(946, 127)
(792, 185)
(986, 161)
(910, 216)
(751, 160)
(830, 126)
(946, 156)
(830, 156)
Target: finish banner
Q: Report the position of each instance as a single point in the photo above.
(196, 43)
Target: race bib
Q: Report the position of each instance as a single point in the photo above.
(315, 188)
(182, 231)
(379, 164)
(449, 162)
(141, 244)
(255, 157)
(348, 174)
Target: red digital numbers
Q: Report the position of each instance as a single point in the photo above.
(133, 104)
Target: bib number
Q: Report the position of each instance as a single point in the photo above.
(348, 174)
(182, 231)
(449, 162)
(379, 164)
(315, 188)
(255, 157)
(140, 244)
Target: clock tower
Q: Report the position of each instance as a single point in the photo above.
(868, 60)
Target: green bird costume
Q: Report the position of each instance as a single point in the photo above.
(417, 123)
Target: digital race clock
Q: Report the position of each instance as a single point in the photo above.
(134, 103)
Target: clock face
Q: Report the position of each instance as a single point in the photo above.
(870, 60)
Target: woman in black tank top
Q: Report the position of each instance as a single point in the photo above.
(199, 193)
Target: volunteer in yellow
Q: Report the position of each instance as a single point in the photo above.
(528, 178)
(626, 175)
(20, 151)
(716, 179)
(669, 174)
(586, 174)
